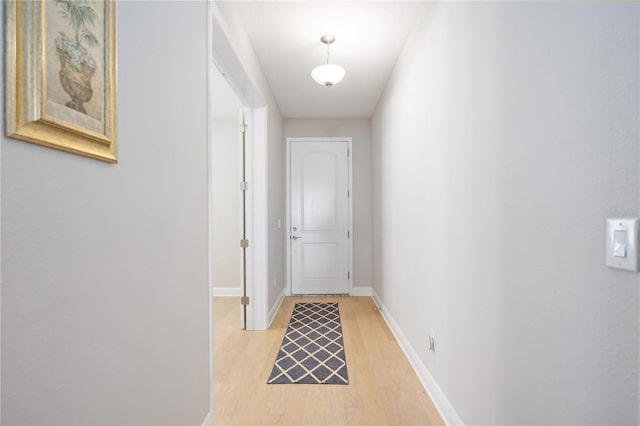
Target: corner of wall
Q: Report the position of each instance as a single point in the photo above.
(274, 309)
(208, 421)
(361, 291)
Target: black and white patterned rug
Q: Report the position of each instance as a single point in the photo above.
(312, 350)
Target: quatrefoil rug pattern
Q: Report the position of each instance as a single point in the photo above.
(312, 351)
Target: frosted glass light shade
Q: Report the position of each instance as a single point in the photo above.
(328, 74)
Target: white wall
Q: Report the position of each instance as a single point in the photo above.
(360, 130)
(104, 267)
(1, 142)
(227, 210)
(506, 135)
(273, 161)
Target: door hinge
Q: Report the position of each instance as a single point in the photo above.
(348, 275)
(347, 152)
(244, 128)
(348, 234)
(244, 243)
(244, 300)
(244, 186)
(348, 193)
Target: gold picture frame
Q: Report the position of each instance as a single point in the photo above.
(60, 88)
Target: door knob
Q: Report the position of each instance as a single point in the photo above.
(295, 237)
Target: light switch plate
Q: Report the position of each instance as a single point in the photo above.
(615, 247)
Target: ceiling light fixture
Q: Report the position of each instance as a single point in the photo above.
(328, 74)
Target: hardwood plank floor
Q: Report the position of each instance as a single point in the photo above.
(383, 388)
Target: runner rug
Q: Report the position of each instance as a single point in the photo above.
(312, 350)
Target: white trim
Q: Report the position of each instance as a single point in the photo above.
(210, 71)
(275, 308)
(351, 233)
(241, 164)
(442, 404)
(226, 292)
(247, 114)
(360, 291)
(287, 219)
(208, 421)
(257, 226)
(287, 236)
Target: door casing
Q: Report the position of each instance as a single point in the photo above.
(288, 202)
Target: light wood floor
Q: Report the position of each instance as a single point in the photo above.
(383, 388)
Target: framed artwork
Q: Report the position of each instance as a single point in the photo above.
(60, 58)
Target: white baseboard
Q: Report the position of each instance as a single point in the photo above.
(226, 292)
(208, 421)
(442, 404)
(274, 309)
(360, 291)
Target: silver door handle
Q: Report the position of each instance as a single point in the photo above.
(295, 237)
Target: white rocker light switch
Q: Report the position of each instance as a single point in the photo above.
(622, 244)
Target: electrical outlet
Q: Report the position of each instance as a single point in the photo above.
(432, 340)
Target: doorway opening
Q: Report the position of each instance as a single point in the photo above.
(226, 165)
(234, 270)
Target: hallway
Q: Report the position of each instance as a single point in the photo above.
(383, 387)
(491, 143)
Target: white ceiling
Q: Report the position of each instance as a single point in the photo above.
(286, 38)
(226, 104)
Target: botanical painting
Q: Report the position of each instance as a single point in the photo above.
(60, 62)
(74, 62)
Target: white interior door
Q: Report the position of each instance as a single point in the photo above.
(319, 217)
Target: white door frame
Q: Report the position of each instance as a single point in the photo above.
(288, 201)
(257, 229)
(225, 57)
(222, 54)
